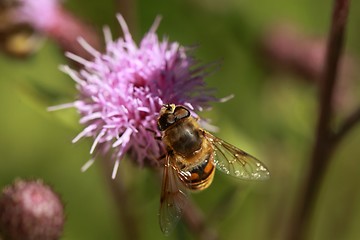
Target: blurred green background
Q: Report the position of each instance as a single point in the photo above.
(272, 116)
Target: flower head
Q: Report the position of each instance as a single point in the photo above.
(40, 14)
(47, 18)
(31, 210)
(122, 90)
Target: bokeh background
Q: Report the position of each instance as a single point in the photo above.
(272, 116)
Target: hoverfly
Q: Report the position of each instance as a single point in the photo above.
(192, 155)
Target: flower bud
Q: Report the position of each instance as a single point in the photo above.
(30, 210)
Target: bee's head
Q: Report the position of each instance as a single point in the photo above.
(170, 113)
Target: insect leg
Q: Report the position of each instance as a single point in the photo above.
(156, 137)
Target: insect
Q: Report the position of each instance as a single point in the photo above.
(191, 159)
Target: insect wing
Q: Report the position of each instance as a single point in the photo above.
(172, 199)
(235, 162)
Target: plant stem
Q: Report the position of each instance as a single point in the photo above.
(324, 146)
(197, 224)
(346, 126)
(122, 202)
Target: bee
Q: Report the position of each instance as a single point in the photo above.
(190, 162)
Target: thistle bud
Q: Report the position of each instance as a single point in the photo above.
(30, 210)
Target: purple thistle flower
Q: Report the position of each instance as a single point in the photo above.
(122, 90)
(50, 19)
(31, 210)
(41, 14)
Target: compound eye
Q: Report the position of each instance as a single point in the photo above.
(181, 112)
(165, 121)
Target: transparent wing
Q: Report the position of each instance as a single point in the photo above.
(235, 162)
(172, 200)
